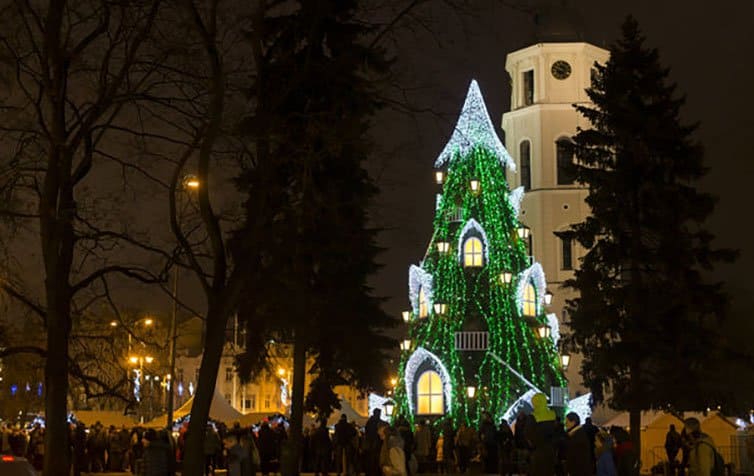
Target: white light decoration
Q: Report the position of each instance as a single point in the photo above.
(419, 279)
(438, 201)
(420, 356)
(474, 128)
(378, 401)
(514, 198)
(191, 388)
(475, 226)
(520, 404)
(536, 275)
(582, 406)
(554, 323)
(180, 389)
(284, 392)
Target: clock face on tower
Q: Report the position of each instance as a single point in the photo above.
(560, 69)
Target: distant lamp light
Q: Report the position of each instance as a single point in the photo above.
(471, 391)
(393, 381)
(543, 331)
(281, 371)
(405, 344)
(506, 277)
(523, 232)
(439, 177)
(548, 298)
(133, 360)
(443, 246)
(565, 359)
(149, 359)
(389, 407)
(406, 316)
(191, 181)
(440, 308)
(474, 185)
(148, 321)
(113, 323)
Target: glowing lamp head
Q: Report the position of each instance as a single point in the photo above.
(113, 323)
(440, 308)
(565, 359)
(406, 316)
(148, 321)
(506, 277)
(405, 344)
(471, 391)
(475, 185)
(548, 298)
(191, 182)
(281, 371)
(443, 246)
(439, 177)
(523, 232)
(149, 359)
(133, 360)
(393, 381)
(389, 406)
(543, 331)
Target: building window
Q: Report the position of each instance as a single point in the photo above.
(228, 374)
(525, 158)
(564, 155)
(528, 80)
(227, 398)
(472, 252)
(529, 301)
(429, 394)
(566, 246)
(423, 311)
(267, 401)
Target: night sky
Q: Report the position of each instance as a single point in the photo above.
(709, 47)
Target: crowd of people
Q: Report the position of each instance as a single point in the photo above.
(537, 444)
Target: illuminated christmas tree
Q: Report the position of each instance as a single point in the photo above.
(479, 337)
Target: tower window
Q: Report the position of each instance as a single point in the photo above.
(529, 301)
(564, 154)
(228, 374)
(429, 397)
(566, 246)
(525, 157)
(422, 303)
(528, 80)
(472, 252)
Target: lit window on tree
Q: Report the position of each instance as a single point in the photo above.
(472, 252)
(530, 301)
(422, 304)
(429, 397)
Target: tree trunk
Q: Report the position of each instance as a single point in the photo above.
(294, 442)
(193, 461)
(57, 442)
(634, 422)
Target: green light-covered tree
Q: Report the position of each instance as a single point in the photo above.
(644, 310)
(477, 279)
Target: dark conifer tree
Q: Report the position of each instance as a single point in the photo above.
(646, 319)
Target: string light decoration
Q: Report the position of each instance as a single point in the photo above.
(474, 297)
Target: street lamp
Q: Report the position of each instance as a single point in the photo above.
(471, 391)
(475, 185)
(523, 231)
(440, 308)
(506, 277)
(443, 247)
(565, 359)
(394, 381)
(191, 182)
(405, 344)
(543, 331)
(548, 298)
(113, 323)
(281, 372)
(439, 177)
(389, 406)
(406, 316)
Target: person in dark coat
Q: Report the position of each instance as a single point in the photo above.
(154, 461)
(212, 447)
(79, 449)
(626, 458)
(578, 451)
(344, 435)
(322, 449)
(504, 437)
(603, 447)
(448, 445)
(372, 444)
(672, 445)
(266, 445)
(489, 444)
(404, 431)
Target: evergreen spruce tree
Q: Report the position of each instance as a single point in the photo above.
(645, 319)
(476, 276)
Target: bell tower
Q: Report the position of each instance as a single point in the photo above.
(547, 79)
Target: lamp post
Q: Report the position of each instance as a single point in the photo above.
(471, 391)
(565, 359)
(190, 182)
(140, 360)
(389, 406)
(506, 277)
(406, 316)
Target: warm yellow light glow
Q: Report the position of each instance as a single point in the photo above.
(148, 321)
(439, 177)
(506, 277)
(529, 301)
(543, 331)
(423, 311)
(405, 344)
(474, 184)
(443, 246)
(406, 316)
(471, 391)
(440, 308)
(281, 371)
(149, 359)
(133, 360)
(191, 182)
(565, 359)
(113, 323)
(523, 232)
(429, 397)
(393, 381)
(472, 252)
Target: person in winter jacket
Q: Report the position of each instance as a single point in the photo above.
(541, 434)
(702, 449)
(154, 461)
(239, 459)
(392, 457)
(626, 459)
(423, 441)
(603, 450)
(578, 451)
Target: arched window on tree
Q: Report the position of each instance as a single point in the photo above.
(423, 311)
(429, 396)
(525, 159)
(564, 156)
(529, 301)
(472, 252)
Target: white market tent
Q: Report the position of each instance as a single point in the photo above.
(345, 409)
(219, 410)
(655, 425)
(106, 418)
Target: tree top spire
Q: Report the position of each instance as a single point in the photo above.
(474, 128)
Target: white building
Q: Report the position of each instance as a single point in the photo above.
(546, 80)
